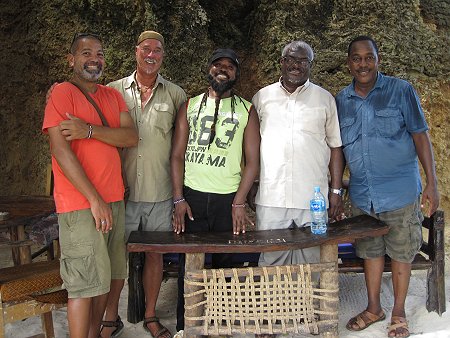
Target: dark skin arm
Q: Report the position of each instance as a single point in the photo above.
(72, 169)
(424, 150)
(252, 140)
(179, 144)
(336, 168)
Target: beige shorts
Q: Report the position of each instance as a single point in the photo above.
(271, 218)
(404, 239)
(148, 216)
(89, 258)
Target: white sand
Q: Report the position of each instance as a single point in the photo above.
(352, 301)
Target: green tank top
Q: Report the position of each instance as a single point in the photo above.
(215, 167)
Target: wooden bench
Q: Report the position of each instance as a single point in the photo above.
(431, 257)
(29, 290)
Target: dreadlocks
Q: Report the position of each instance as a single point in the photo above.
(216, 112)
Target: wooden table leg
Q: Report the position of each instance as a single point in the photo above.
(329, 280)
(194, 261)
(24, 251)
(136, 295)
(13, 237)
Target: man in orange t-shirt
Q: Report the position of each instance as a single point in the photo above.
(88, 184)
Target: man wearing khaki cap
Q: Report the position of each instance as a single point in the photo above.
(152, 102)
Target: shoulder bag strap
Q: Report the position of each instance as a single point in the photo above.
(91, 101)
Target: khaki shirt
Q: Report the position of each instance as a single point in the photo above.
(297, 131)
(147, 166)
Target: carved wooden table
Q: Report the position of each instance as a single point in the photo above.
(195, 245)
(22, 211)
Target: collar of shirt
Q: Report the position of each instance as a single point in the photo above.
(297, 90)
(378, 84)
(132, 80)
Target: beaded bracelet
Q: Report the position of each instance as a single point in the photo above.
(179, 200)
(89, 135)
(238, 205)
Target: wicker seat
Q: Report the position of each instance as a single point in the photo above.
(264, 300)
(30, 290)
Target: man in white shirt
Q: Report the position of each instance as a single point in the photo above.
(300, 145)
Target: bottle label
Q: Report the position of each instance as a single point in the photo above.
(317, 206)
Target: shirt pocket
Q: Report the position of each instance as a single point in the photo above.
(349, 130)
(311, 121)
(388, 121)
(163, 117)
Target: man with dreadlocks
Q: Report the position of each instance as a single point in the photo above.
(212, 133)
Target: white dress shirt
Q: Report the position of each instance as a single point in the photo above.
(297, 131)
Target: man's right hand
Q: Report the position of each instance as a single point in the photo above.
(181, 209)
(102, 213)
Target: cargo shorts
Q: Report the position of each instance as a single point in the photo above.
(90, 258)
(404, 239)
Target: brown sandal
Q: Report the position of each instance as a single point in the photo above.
(364, 320)
(398, 323)
(161, 332)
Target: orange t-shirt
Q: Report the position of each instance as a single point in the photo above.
(100, 161)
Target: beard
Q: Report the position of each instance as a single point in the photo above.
(92, 74)
(220, 87)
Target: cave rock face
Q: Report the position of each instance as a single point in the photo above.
(35, 35)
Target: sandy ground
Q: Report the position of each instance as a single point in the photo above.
(352, 300)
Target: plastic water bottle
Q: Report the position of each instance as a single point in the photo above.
(318, 209)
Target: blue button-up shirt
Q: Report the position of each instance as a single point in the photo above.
(378, 145)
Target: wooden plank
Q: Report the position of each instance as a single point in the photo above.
(17, 311)
(344, 231)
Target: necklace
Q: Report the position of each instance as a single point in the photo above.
(143, 89)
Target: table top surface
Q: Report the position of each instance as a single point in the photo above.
(344, 231)
(24, 209)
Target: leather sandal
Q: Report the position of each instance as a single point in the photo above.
(118, 324)
(160, 332)
(364, 320)
(398, 323)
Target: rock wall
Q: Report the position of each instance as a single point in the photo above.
(35, 34)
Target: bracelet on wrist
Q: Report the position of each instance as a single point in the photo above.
(238, 205)
(178, 200)
(89, 135)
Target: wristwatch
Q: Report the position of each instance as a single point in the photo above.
(339, 192)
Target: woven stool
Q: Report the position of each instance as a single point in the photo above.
(260, 300)
(29, 290)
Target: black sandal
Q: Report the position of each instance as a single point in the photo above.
(160, 332)
(118, 324)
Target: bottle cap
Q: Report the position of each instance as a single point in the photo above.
(316, 189)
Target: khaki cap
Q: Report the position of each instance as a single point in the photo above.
(150, 35)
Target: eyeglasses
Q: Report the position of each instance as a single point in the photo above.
(147, 50)
(358, 59)
(290, 61)
(79, 36)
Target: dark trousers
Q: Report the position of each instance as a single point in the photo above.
(211, 212)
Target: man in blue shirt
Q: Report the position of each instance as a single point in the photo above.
(384, 133)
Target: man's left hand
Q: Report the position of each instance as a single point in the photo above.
(430, 194)
(336, 209)
(74, 128)
(240, 220)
